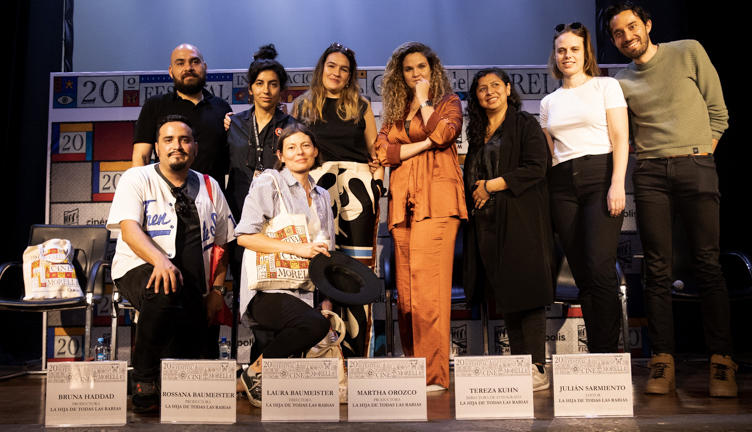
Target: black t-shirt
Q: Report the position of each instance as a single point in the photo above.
(341, 140)
(243, 158)
(189, 254)
(207, 118)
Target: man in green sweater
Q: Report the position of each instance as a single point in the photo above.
(677, 116)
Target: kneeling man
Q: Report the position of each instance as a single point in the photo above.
(168, 223)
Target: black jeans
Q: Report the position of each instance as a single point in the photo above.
(297, 327)
(687, 186)
(527, 333)
(590, 236)
(169, 325)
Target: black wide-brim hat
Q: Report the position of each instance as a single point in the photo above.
(344, 279)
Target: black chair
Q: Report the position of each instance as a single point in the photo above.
(736, 267)
(737, 270)
(458, 293)
(118, 302)
(90, 262)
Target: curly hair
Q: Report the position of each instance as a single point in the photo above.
(591, 65)
(396, 95)
(308, 108)
(478, 119)
(263, 60)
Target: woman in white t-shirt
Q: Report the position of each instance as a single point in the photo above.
(586, 126)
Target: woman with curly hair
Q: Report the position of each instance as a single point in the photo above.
(344, 126)
(587, 127)
(421, 119)
(508, 239)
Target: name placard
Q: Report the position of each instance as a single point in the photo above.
(592, 385)
(300, 390)
(198, 391)
(86, 393)
(493, 387)
(386, 389)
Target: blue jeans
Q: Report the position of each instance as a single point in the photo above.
(589, 235)
(687, 186)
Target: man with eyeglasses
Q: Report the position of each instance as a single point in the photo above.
(189, 98)
(677, 115)
(169, 217)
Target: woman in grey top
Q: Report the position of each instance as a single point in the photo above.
(287, 312)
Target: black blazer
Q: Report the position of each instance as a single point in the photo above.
(523, 223)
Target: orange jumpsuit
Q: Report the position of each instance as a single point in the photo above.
(426, 204)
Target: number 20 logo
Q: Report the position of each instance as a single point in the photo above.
(108, 92)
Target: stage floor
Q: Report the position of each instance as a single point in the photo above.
(688, 409)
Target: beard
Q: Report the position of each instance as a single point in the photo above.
(189, 89)
(637, 52)
(178, 166)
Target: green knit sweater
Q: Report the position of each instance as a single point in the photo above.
(675, 101)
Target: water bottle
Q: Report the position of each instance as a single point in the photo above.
(224, 349)
(102, 350)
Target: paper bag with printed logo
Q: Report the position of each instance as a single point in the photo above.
(48, 271)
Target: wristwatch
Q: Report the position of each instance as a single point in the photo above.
(221, 288)
(425, 104)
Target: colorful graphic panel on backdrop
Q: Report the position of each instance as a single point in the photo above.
(92, 117)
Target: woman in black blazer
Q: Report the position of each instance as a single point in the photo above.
(508, 238)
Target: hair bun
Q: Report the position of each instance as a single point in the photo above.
(266, 52)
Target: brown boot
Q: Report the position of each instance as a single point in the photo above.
(723, 376)
(662, 375)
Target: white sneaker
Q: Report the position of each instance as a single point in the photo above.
(540, 380)
(434, 388)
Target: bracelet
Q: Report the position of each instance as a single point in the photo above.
(221, 288)
(485, 183)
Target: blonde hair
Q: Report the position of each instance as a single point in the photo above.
(308, 108)
(396, 95)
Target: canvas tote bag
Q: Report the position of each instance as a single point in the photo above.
(266, 271)
(329, 347)
(48, 271)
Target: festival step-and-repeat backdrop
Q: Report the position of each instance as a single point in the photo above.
(91, 123)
